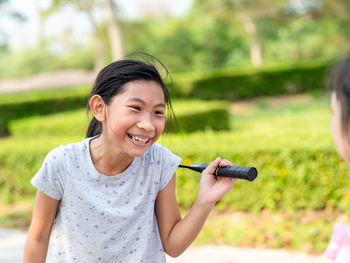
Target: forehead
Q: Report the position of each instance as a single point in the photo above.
(147, 86)
(143, 89)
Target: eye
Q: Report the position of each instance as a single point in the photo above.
(137, 108)
(159, 113)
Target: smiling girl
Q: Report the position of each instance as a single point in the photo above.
(111, 197)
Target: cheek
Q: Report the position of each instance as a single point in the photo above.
(160, 124)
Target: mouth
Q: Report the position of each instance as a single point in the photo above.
(139, 139)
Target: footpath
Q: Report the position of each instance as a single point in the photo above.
(12, 245)
(48, 80)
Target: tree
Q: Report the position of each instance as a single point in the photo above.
(114, 31)
(244, 13)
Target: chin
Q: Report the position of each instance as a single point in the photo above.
(138, 153)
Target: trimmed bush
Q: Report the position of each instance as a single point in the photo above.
(227, 84)
(37, 103)
(20, 159)
(233, 84)
(196, 115)
(288, 180)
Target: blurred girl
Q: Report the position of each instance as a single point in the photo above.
(111, 197)
(339, 247)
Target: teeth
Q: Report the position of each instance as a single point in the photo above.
(135, 138)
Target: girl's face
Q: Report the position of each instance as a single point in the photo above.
(135, 118)
(341, 140)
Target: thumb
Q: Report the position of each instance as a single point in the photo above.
(212, 166)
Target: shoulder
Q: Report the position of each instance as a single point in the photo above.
(62, 153)
(159, 154)
(162, 160)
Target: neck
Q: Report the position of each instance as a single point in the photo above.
(106, 159)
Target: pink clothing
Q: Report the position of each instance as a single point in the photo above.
(339, 247)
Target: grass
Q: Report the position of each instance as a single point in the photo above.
(291, 125)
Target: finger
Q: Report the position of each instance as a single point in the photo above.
(212, 166)
(224, 163)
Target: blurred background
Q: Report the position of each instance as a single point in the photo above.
(248, 84)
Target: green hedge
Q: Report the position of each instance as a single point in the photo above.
(288, 180)
(236, 84)
(37, 103)
(20, 159)
(195, 115)
(228, 84)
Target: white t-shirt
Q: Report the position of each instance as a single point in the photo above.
(105, 218)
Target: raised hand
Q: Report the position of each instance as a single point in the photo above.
(211, 187)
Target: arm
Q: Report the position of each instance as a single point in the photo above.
(176, 233)
(45, 209)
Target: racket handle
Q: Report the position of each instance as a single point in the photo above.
(246, 173)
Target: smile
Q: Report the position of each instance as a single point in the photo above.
(137, 138)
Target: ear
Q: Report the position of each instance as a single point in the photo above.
(97, 106)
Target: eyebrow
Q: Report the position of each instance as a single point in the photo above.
(143, 102)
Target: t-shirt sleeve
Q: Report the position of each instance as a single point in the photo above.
(50, 177)
(170, 163)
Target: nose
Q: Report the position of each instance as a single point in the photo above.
(146, 122)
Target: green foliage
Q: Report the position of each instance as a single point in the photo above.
(283, 42)
(217, 34)
(25, 63)
(213, 34)
(43, 95)
(30, 61)
(21, 105)
(69, 123)
(20, 158)
(288, 180)
(252, 82)
(196, 115)
(78, 58)
(189, 44)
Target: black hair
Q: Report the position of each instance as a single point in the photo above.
(112, 79)
(340, 83)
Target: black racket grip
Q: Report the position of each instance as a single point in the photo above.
(247, 173)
